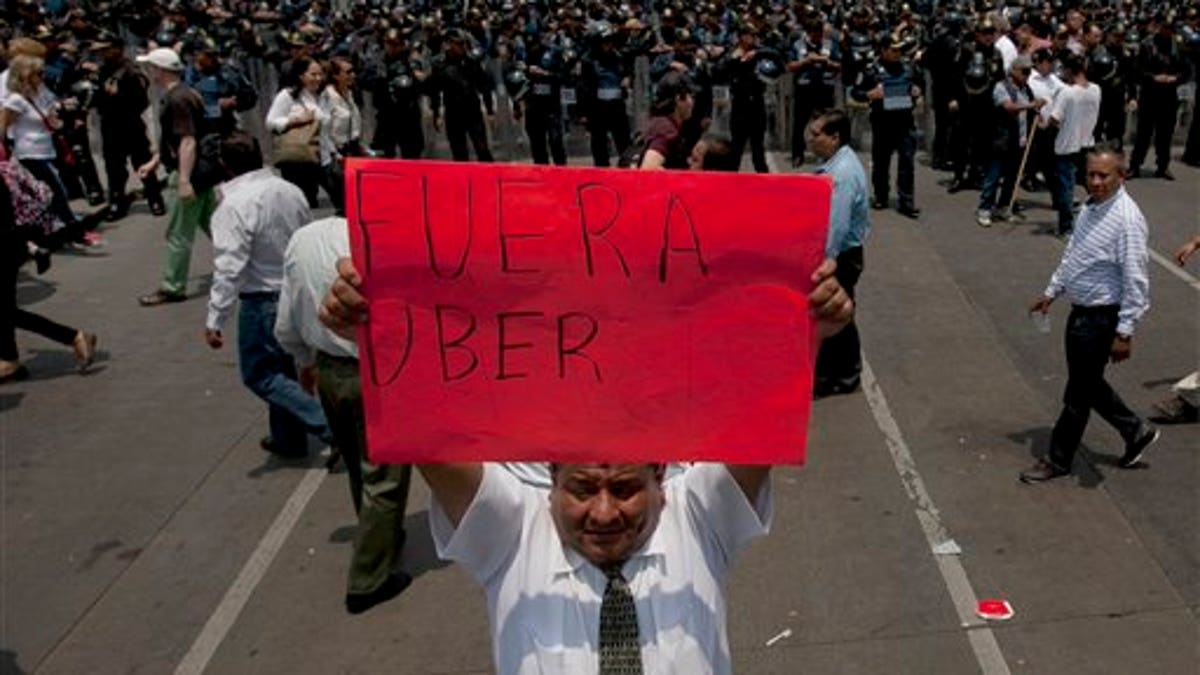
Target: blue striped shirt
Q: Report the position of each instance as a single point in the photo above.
(1106, 259)
(848, 214)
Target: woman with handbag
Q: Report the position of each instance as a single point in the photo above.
(13, 253)
(341, 138)
(296, 118)
(30, 118)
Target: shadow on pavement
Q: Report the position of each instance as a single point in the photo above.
(32, 290)
(8, 401)
(1038, 441)
(8, 663)
(419, 555)
(51, 364)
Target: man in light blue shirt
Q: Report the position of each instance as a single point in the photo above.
(839, 363)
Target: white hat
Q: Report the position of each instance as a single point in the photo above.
(164, 58)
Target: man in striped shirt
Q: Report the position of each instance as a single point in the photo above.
(1103, 274)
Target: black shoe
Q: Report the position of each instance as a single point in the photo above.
(157, 207)
(95, 198)
(1133, 173)
(879, 205)
(1164, 174)
(1042, 472)
(267, 443)
(910, 211)
(41, 259)
(827, 388)
(1135, 450)
(116, 210)
(161, 298)
(357, 603)
(956, 186)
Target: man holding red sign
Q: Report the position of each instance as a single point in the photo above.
(618, 571)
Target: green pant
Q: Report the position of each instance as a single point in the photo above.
(183, 219)
(380, 492)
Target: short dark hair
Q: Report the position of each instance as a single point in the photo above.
(1110, 149)
(1073, 64)
(240, 153)
(669, 89)
(719, 155)
(834, 121)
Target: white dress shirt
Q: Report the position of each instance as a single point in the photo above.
(1106, 259)
(1076, 110)
(1008, 51)
(544, 598)
(345, 122)
(1045, 87)
(309, 269)
(258, 214)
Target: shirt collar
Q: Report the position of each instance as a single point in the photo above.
(248, 177)
(1107, 202)
(827, 165)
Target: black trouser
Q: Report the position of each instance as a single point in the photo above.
(608, 117)
(748, 122)
(839, 361)
(402, 127)
(543, 123)
(892, 133)
(307, 176)
(335, 186)
(943, 120)
(1110, 125)
(84, 170)
(459, 127)
(1156, 117)
(971, 146)
(12, 255)
(127, 143)
(1191, 152)
(1089, 339)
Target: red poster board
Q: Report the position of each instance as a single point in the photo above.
(549, 314)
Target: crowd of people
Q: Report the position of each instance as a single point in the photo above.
(1026, 95)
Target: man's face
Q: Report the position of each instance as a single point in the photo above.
(890, 54)
(821, 144)
(1104, 176)
(1074, 21)
(606, 512)
(986, 38)
(1020, 76)
(685, 104)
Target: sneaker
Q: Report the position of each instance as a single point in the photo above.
(1175, 410)
(1042, 472)
(984, 218)
(1135, 450)
(1002, 215)
(92, 240)
(1164, 174)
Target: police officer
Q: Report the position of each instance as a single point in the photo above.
(893, 92)
(69, 80)
(1107, 67)
(120, 100)
(939, 60)
(815, 66)
(604, 78)
(542, 104)
(398, 99)
(748, 110)
(1162, 70)
(223, 87)
(980, 68)
(457, 83)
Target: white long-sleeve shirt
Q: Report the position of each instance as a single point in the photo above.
(1106, 260)
(309, 269)
(251, 227)
(285, 106)
(345, 122)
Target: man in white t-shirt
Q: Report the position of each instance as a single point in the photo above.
(1045, 85)
(1004, 43)
(614, 569)
(1075, 111)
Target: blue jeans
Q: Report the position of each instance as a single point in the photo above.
(1063, 190)
(1000, 167)
(270, 373)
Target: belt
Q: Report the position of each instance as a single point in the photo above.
(1095, 309)
(259, 295)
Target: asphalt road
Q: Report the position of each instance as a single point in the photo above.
(143, 531)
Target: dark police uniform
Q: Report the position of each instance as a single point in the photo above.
(813, 85)
(398, 110)
(603, 101)
(893, 132)
(457, 85)
(747, 111)
(120, 101)
(222, 81)
(1158, 103)
(980, 68)
(543, 105)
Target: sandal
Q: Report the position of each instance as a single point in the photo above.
(85, 350)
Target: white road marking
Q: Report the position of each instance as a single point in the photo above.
(1171, 267)
(983, 641)
(227, 611)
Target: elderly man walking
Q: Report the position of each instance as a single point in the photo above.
(258, 214)
(1103, 274)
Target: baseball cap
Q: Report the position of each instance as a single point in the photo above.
(162, 57)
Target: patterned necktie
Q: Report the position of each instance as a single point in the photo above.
(620, 649)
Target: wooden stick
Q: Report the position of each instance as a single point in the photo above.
(1021, 170)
